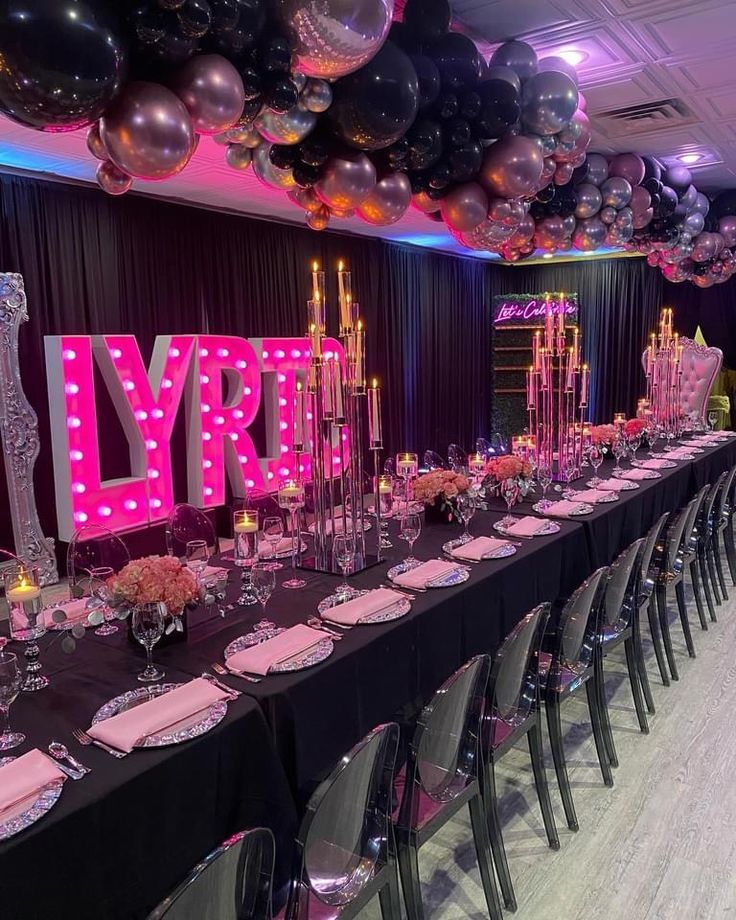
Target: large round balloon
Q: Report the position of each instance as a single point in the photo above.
(63, 61)
(387, 201)
(427, 20)
(519, 56)
(148, 132)
(212, 90)
(465, 207)
(559, 64)
(628, 166)
(500, 108)
(549, 101)
(429, 79)
(724, 203)
(333, 38)
(616, 192)
(458, 60)
(346, 183)
(512, 167)
(375, 106)
(589, 200)
(290, 128)
(597, 168)
(268, 174)
(589, 234)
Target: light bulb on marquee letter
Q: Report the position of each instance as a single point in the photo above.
(217, 421)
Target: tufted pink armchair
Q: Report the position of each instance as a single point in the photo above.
(700, 368)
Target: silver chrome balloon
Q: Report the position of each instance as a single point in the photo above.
(269, 174)
(238, 157)
(290, 128)
(316, 96)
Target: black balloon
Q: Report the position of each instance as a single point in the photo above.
(306, 176)
(458, 60)
(724, 204)
(225, 15)
(283, 156)
(171, 4)
(425, 144)
(252, 82)
(440, 176)
(465, 161)
(174, 48)
(419, 182)
(429, 79)
(501, 108)
(402, 36)
(456, 132)
(281, 95)
(374, 106)
(546, 194)
(652, 185)
(251, 108)
(471, 105)
(447, 105)
(59, 73)
(274, 55)
(537, 210)
(195, 18)
(651, 169)
(428, 20)
(668, 201)
(149, 24)
(314, 152)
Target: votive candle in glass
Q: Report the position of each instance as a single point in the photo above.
(23, 594)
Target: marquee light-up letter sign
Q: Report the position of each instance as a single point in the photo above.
(225, 379)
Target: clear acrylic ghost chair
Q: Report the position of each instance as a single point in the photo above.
(671, 575)
(442, 776)
(186, 523)
(690, 550)
(620, 625)
(232, 883)
(483, 446)
(433, 461)
(457, 458)
(345, 852)
(91, 547)
(512, 711)
(706, 559)
(568, 667)
(727, 523)
(720, 522)
(649, 568)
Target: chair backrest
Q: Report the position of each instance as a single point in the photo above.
(185, 523)
(483, 446)
(674, 541)
(232, 883)
(93, 546)
(619, 599)
(433, 461)
(650, 563)
(690, 530)
(457, 457)
(265, 503)
(711, 503)
(577, 630)
(346, 836)
(443, 756)
(513, 688)
(724, 493)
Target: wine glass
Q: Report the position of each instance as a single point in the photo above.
(544, 478)
(466, 507)
(197, 556)
(98, 585)
(273, 534)
(595, 456)
(410, 528)
(510, 494)
(343, 550)
(147, 624)
(618, 450)
(712, 419)
(10, 681)
(263, 578)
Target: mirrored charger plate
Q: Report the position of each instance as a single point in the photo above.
(666, 464)
(546, 527)
(264, 552)
(606, 498)
(508, 549)
(199, 723)
(299, 662)
(627, 485)
(394, 612)
(25, 813)
(650, 474)
(456, 577)
(585, 508)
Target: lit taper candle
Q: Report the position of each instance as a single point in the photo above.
(375, 430)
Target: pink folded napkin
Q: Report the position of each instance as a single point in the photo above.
(259, 659)
(352, 612)
(24, 776)
(527, 526)
(212, 573)
(610, 485)
(654, 464)
(479, 548)
(266, 549)
(425, 573)
(682, 453)
(593, 496)
(636, 474)
(125, 729)
(563, 508)
(75, 611)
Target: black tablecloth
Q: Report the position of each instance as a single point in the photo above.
(118, 841)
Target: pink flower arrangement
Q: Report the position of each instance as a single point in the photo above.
(635, 427)
(155, 579)
(603, 434)
(443, 484)
(508, 466)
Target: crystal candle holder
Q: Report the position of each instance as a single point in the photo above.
(25, 614)
(292, 498)
(245, 533)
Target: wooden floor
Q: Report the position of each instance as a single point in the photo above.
(659, 845)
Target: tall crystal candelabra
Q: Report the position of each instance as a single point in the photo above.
(557, 397)
(338, 396)
(664, 377)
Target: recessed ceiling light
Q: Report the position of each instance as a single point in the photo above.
(689, 158)
(548, 255)
(573, 56)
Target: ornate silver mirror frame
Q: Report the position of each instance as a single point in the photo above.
(20, 441)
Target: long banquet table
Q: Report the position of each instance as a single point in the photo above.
(119, 840)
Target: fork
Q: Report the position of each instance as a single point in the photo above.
(404, 589)
(83, 738)
(233, 694)
(219, 669)
(316, 623)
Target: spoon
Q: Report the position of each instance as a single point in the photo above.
(60, 752)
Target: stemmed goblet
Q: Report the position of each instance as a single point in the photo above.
(343, 549)
(147, 623)
(410, 528)
(10, 681)
(544, 478)
(595, 458)
(98, 585)
(510, 494)
(273, 534)
(466, 508)
(197, 556)
(263, 579)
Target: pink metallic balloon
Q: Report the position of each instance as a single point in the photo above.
(512, 167)
(94, 143)
(388, 200)
(331, 38)
(212, 90)
(563, 173)
(629, 166)
(727, 229)
(147, 132)
(305, 198)
(422, 202)
(113, 180)
(318, 220)
(465, 207)
(346, 182)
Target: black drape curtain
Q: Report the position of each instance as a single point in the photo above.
(96, 264)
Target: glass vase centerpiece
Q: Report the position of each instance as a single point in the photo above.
(510, 477)
(557, 385)
(25, 615)
(439, 490)
(292, 499)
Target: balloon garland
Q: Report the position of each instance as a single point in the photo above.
(351, 113)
